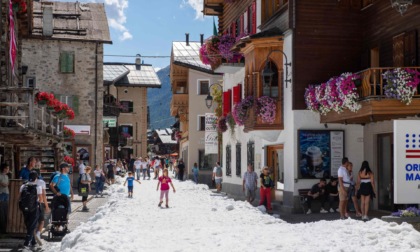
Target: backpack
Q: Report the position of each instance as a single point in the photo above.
(219, 172)
(28, 201)
(53, 175)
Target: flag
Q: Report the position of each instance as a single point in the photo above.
(214, 28)
(12, 43)
(412, 146)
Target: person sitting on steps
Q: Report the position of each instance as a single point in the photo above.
(317, 191)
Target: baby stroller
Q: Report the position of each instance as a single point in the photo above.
(58, 220)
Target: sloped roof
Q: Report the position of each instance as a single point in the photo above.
(188, 56)
(125, 74)
(165, 136)
(73, 21)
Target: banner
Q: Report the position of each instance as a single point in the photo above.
(406, 161)
(210, 138)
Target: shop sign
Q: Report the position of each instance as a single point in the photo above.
(109, 121)
(406, 161)
(210, 136)
(80, 129)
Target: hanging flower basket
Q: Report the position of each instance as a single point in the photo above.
(68, 133)
(240, 111)
(266, 109)
(401, 84)
(42, 98)
(222, 124)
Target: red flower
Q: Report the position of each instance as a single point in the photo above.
(69, 160)
(70, 114)
(68, 132)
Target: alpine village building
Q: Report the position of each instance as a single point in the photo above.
(306, 43)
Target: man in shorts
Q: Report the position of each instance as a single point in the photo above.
(249, 183)
(218, 176)
(344, 184)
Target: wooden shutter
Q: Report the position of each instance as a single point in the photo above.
(254, 18)
(241, 30)
(229, 94)
(410, 48)
(131, 107)
(75, 105)
(67, 62)
(398, 50)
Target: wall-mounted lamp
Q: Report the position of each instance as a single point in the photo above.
(401, 5)
(209, 98)
(326, 125)
(267, 73)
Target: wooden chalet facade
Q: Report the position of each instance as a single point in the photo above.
(321, 39)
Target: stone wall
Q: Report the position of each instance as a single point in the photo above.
(85, 84)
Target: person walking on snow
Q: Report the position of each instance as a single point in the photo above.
(195, 173)
(164, 182)
(265, 191)
(249, 183)
(130, 180)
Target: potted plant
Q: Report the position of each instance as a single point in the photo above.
(240, 110)
(401, 84)
(42, 98)
(68, 133)
(266, 109)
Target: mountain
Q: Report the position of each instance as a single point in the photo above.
(158, 101)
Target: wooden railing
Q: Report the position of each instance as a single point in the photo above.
(372, 82)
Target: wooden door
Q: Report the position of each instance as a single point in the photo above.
(398, 50)
(275, 164)
(410, 48)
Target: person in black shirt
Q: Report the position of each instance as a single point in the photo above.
(181, 168)
(332, 194)
(317, 191)
(131, 163)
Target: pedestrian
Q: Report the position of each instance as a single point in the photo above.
(99, 180)
(119, 168)
(366, 186)
(30, 194)
(352, 191)
(60, 185)
(30, 164)
(250, 183)
(130, 179)
(218, 176)
(164, 182)
(137, 167)
(4, 196)
(43, 206)
(317, 191)
(131, 163)
(195, 172)
(82, 168)
(332, 193)
(343, 184)
(181, 169)
(148, 161)
(85, 187)
(143, 166)
(156, 166)
(111, 173)
(265, 191)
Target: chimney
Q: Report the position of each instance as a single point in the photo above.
(138, 62)
(187, 39)
(201, 38)
(47, 21)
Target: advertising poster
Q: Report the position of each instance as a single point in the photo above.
(406, 161)
(210, 136)
(320, 153)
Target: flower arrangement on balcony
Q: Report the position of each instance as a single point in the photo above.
(42, 98)
(266, 109)
(69, 160)
(409, 212)
(68, 133)
(19, 6)
(218, 48)
(401, 84)
(61, 110)
(337, 94)
(222, 124)
(240, 110)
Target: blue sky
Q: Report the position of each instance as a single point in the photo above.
(148, 27)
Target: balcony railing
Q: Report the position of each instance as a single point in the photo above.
(178, 101)
(111, 109)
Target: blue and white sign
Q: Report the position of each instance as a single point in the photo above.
(406, 161)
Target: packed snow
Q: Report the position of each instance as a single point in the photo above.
(200, 220)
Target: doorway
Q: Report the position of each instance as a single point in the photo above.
(386, 172)
(275, 162)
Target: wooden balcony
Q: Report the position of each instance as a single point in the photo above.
(179, 104)
(111, 109)
(213, 7)
(22, 122)
(375, 105)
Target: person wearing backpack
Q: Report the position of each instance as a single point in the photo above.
(218, 176)
(30, 195)
(61, 184)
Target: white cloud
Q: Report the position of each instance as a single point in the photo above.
(197, 5)
(115, 11)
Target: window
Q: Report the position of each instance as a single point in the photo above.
(238, 27)
(270, 7)
(67, 62)
(71, 100)
(201, 123)
(249, 20)
(203, 87)
(250, 150)
(126, 106)
(205, 162)
(271, 84)
(126, 131)
(228, 160)
(238, 159)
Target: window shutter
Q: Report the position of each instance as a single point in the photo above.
(254, 18)
(75, 105)
(130, 130)
(63, 62)
(242, 25)
(131, 108)
(70, 62)
(225, 103)
(229, 96)
(67, 62)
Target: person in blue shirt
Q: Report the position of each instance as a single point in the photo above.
(130, 179)
(195, 173)
(62, 181)
(24, 173)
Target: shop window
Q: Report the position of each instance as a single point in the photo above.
(228, 160)
(203, 87)
(238, 159)
(126, 106)
(67, 62)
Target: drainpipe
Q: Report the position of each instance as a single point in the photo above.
(96, 104)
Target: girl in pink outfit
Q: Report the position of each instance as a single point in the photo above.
(164, 182)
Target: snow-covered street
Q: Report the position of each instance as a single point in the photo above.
(199, 220)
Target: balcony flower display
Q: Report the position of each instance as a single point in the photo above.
(68, 133)
(231, 122)
(69, 160)
(266, 109)
(336, 94)
(42, 98)
(240, 110)
(225, 46)
(222, 124)
(218, 48)
(401, 84)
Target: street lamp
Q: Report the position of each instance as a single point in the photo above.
(267, 73)
(209, 98)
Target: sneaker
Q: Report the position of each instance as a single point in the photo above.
(347, 215)
(337, 210)
(85, 209)
(365, 218)
(309, 211)
(342, 218)
(331, 210)
(323, 210)
(38, 238)
(358, 215)
(160, 204)
(167, 206)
